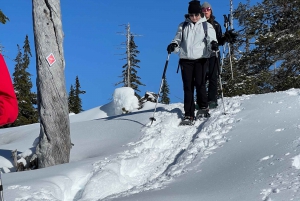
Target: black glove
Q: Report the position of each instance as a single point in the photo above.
(230, 36)
(214, 46)
(171, 47)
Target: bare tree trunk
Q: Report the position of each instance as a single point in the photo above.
(128, 57)
(55, 142)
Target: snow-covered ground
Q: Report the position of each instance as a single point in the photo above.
(251, 153)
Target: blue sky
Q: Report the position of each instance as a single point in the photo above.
(93, 44)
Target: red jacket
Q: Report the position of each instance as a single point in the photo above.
(8, 99)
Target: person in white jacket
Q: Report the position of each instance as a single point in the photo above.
(195, 40)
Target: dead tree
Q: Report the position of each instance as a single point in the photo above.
(55, 142)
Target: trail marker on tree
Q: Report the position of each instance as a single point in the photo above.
(51, 59)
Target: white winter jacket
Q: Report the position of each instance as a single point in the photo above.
(193, 45)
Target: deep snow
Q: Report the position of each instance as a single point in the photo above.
(251, 153)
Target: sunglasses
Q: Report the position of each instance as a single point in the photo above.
(206, 9)
(194, 14)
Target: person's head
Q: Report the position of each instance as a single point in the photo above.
(206, 10)
(194, 11)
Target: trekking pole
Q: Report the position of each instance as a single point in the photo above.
(1, 189)
(231, 27)
(226, 25)
(230, 60)
(224, 46)
(220, 80)
(223, 57)
(161, 84)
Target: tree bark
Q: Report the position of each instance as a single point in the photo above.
(55, 142)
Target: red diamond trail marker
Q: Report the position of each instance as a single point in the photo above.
(51, 59)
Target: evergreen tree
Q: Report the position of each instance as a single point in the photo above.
(22, 83)
(74, 100)
(1, 48)
(134, 79)
(71, 99)
(3, 18)
(269, 35)
(246, 80)
(284, 43)
(165, 93)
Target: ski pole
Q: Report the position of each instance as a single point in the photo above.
(220, 80)
(161, 84)
(1, 189)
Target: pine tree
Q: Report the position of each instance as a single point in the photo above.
(135, 79)
(129, 74)
(71, 99)
(246, 78)
(1, 48)
(284, 43)
(268, 36)
(165, 93)
(3, 18)
(22, 84)
(74, 100)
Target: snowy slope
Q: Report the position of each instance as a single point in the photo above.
(251, 153)
(259, 162)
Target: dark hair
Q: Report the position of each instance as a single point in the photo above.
(211, 19)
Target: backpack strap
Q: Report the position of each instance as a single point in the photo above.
(183, 27)
(185, 23)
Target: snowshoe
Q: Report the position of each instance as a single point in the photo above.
(203, 112)
(187, 121)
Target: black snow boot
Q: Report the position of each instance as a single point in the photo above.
(187, 121)
(203, 112)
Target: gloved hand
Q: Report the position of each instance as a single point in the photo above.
(214, 46)
(171, 47)
(230, 36)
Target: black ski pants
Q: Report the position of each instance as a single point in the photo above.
(193, 73)
(212, 77)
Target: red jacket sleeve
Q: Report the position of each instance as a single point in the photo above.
(8, 100)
